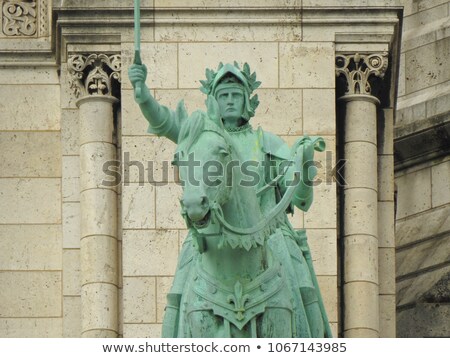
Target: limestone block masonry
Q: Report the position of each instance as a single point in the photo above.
(86, 259)
(422, 167)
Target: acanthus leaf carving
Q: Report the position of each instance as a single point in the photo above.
(19, 18)
(358, 70)
(93, 74)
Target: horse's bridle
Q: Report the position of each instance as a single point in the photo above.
(218, 224)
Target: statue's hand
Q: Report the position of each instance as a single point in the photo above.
(304, 159)
(309, 168)
(138, 74)
(308, 149)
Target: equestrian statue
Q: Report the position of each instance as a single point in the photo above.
(243, 271)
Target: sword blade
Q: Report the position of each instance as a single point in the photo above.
(137, 42)
(137, 25)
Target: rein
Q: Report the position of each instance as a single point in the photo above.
(255, 235)
(279, 208)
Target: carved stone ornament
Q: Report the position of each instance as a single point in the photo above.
(93, 74)
(19, 18)
(358, 69)
(43, 18)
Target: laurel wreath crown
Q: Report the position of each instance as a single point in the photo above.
(246, 74)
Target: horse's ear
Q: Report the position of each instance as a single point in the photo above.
(181, 111)
(213, 110)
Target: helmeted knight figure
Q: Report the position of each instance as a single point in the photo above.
(264, 310)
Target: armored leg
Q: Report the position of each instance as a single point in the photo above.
(182, 276)
(313, 312)
(205, 324)
(275, 323)
(171, 316)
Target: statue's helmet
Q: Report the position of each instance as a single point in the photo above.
(229, 75)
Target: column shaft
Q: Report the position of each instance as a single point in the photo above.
(361, 312)
(99, 257)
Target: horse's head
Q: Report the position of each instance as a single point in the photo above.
(202, 157)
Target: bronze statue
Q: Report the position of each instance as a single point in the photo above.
(243, 270)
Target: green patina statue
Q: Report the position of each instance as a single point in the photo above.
(243, 270)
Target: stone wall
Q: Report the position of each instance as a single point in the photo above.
(422, 237)
(30, 178)
(422, 172)
(71, 216)
(290, 44)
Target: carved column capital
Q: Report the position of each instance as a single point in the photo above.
(359, 70)
(94, 74)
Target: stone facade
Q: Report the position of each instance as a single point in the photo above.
(422, 146)
(95, 260)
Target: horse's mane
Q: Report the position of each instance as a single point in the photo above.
(241, 196)
(193, 127)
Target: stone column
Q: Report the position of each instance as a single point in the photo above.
(92, 81)
(360, 211)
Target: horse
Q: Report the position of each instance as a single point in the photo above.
(233, 276)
